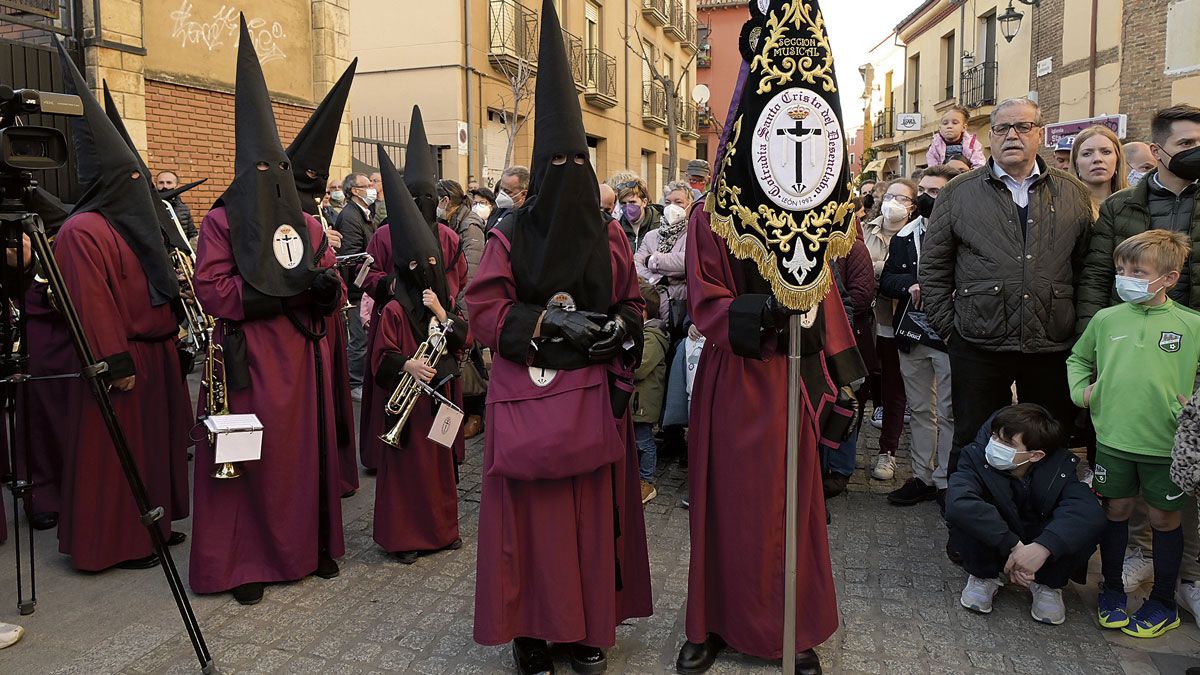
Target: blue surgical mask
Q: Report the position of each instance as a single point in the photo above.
(1001, 456)
(1132, 289)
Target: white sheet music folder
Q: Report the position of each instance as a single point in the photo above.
(238, 437)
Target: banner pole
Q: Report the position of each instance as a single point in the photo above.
(795, 390)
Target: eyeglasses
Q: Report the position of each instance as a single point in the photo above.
(1021, 127)
(903, 199)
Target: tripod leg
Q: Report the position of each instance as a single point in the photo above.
(92, 370)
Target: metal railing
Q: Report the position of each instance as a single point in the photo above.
(690, 40)
(883, 125)
(979, 85)
(574, 46)
(703, 46)
(600, 79)
(512, 33)
(687, 118)
(656, 11)
(676, 23)
(654, 104)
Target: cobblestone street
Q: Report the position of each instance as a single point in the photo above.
(897, 592)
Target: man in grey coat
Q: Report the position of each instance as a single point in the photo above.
(999, 267)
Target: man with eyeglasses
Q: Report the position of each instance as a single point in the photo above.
(511, 191)
(354, 224)
(999, 267)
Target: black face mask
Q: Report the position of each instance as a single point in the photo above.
(868, 201)
(607, 214)
(1185, 164)
(925, 204)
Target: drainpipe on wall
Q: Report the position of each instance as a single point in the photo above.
(1092, 62)
(626, 60)
(467, 83)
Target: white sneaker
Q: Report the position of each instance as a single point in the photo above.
(885, 467)
(1136, 569)
(978, 593)
(1189, 598)
(10, 633)
(877, 418)
(1047, 604)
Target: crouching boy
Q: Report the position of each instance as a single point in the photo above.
(1015, 505)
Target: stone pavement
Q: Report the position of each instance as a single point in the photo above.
(897, 593)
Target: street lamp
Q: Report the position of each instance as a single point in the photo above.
(1010, 20)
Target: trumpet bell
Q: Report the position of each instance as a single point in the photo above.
(227, 470)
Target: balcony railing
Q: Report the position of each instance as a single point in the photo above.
(979, 85)
(704, 118)
(575, 58)
(656, 11)
(654, 105)
(703, 46)
(689, 31)
(883, 125)
(678, 18)
(600, 79)
(513, 35)
(687, 119)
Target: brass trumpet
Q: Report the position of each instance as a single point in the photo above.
(409, 390)
(217, 401)
(197, 325)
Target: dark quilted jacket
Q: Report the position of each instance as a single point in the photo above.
(986, 284)
(1123, 215)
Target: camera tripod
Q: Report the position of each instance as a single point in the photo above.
(17, 220)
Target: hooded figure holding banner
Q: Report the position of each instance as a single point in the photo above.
(779, 349)
(562, 543)
(262, 272)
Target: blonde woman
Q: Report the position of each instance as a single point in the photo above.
(1098, 160)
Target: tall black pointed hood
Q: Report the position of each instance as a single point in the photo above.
(267, 227)
(420, 170)
(112, 180)
(312, 150)
(174, 192)
(171, 231)
(560, 240)
(416, 255)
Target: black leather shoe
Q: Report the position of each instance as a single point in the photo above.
(139, 563)
(454, 545)
(406, 557)
(807, 663)
(248, 594)
(697, 658)
(349, 493)
(953, 555)
(327, 567)
(587, 660)
(370, 472)
(176, 539)
(532, 656)
(43, 521)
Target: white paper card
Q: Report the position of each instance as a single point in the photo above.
(445, 426)
(238, 438)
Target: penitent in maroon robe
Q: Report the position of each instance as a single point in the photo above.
(371, 422)
(343, 405)
(416, 494)
(264, 525)
(735, 471)
(546, 567)
(99, 523)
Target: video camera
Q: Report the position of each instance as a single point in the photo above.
(29, 148)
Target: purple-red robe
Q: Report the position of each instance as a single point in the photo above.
(416, 494)
(735, 471)
(99, 523)
(371, 422)
(343, 406)
(546, 565)
(264, 525)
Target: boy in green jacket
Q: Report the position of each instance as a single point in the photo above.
(650, 382)
(1145, 353)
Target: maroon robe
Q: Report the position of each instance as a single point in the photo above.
(546, 567)
(99, 523)
(343, 405)
(735, 471)
(371, 422)
(264, 525)
(416, 494)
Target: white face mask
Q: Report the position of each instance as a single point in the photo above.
(1132, 289)
(337, 196)
(371, 196)
(674, 214)
(894, 211)
(1001, 456)
(504, 201)
(482, 210)
(1135, 176)
(441, 213)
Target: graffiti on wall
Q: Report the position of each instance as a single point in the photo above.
(222, 28)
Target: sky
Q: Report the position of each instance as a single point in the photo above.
(855, 26)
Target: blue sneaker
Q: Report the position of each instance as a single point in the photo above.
(1112, 612)
(1151, 620)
